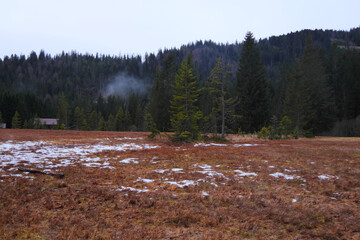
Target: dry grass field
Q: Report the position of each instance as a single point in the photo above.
(121, 185)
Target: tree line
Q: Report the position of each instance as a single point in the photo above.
(249, 87)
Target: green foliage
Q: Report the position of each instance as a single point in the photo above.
(16, 121)
(252, 88)
(151, 126)
(276, 130)
(161, 93)
(265, 132)
(62, 126)
(102, 124)
(120, 120)
(216, 102)
(111, 123)
(185, 114)
(286, 127)
(84, 125)
(78, 117)
(308, 102)
(93, 121)
(63, 110)
(1, 120)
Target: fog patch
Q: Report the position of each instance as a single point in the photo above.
(123, 84)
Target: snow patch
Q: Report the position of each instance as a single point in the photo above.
(288, 177)
(246, 145)
(145, 180)
(209, 144)
(130, 160)
(204, 194)
(182, 184)
(327, 177)
(176, 169)
(244, 174)
(122, 188)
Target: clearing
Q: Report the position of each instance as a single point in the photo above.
(121, 185)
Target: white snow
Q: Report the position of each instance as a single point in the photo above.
(122, 188)
(161, 170)
(182, 184)
(127, 138)
(176, 169)
(246, 145)
(288, 177)
(204, 194)
(327, 177)
(245, 174)
(209, 144)
(50, 155)
(208, 171)
(145, 180)
(130, 160)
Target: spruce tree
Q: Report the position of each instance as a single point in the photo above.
(161, 93)
(63, 109)
(252, 88)
(314, 75)
(120, 120)
(16, 121)
(308, 102)
(297, 104)
(216, 95)
(185, 114)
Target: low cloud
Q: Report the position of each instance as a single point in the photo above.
(123, 84)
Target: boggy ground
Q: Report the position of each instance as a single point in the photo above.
(121, 185)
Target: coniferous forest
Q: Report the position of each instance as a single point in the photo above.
(300, 84)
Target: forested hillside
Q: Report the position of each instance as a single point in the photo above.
(307, 81)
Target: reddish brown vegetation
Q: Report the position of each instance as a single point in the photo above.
(85, 204)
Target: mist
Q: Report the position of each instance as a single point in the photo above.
(123, 84)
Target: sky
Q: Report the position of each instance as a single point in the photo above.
(135, 27)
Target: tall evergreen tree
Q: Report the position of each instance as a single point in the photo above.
(63, 110)
(120, 120)
(308, 102)
(297, 103)
(16, 121)
(185, 114)
(315, 77)
(216, 91)
(161, 93)
(252, 88)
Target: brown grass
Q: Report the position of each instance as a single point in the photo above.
(86, 205)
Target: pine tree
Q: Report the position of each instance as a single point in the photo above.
(111, 123)
(252, 88)
(78, 117)
(93, 121)
(139, 118)
(216, 95)
(102, 124)
(161, 94)
(185, 114)
(16, 121)
(120, 120)
(308, 102)
(63, 109)
(314, 75)
(297, 104)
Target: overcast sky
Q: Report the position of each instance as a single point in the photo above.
(139, 26)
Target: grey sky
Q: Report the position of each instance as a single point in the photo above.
(139, 26)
